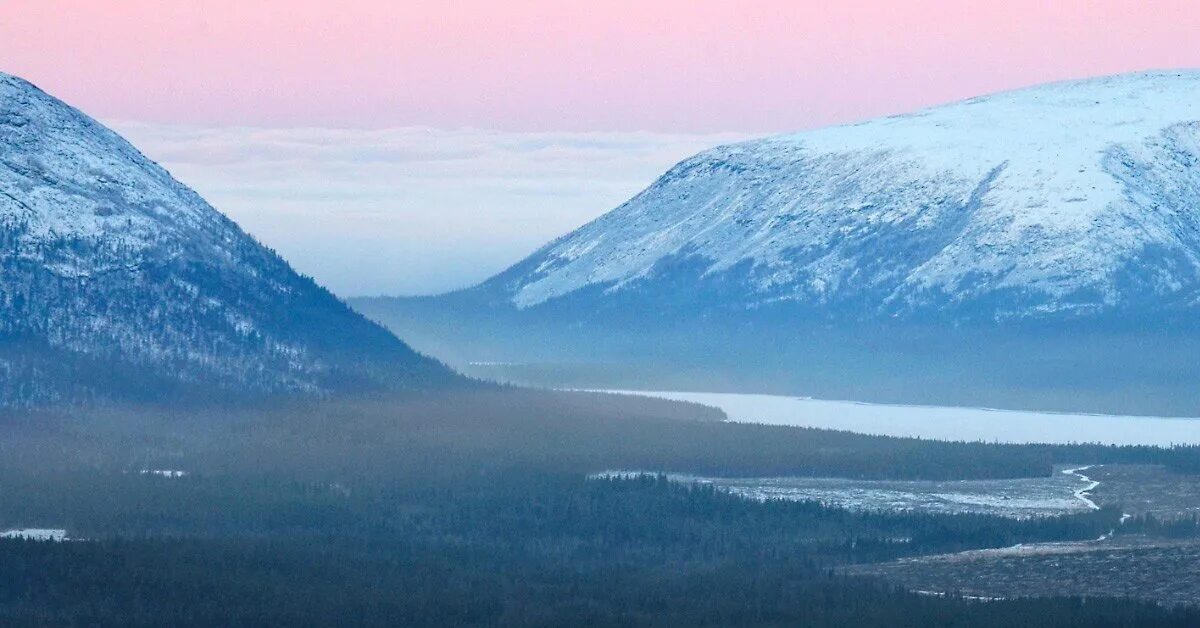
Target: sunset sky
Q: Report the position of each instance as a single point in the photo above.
(530, 117)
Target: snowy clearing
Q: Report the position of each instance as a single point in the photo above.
(35, 534)
(1021, 498)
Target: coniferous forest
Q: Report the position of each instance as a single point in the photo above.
(480, 508)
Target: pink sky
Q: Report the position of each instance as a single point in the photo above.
(562, 90)
(672, 65)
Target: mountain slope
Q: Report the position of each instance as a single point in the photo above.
(118, 281)
(1078, 198)
(1042, 239)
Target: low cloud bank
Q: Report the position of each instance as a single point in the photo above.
(410, 210)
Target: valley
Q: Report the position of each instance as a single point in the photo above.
(1150, 553)
(194, 434)
(480, 491)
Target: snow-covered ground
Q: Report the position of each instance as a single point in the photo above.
(1074, 197)
(1058, 494)
(35, 534)
(945, 423)
(166, 473)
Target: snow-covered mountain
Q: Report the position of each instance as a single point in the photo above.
(1036, 248)
(1069, 198)
(118, 281)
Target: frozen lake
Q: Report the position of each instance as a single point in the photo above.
(945, 423)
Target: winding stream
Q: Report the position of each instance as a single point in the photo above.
(1083, 493)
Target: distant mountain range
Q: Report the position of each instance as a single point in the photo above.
(1039, 247)
(118, 282)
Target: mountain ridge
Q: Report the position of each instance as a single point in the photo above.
(944, 197)
(108, 261)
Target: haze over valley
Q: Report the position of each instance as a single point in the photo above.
(1034, 249)
(935, 367)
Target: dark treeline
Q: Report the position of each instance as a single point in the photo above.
(208, 583)
(575, 432)
(1186, 526)
(533, 549)
(475, 509)
(520, 504)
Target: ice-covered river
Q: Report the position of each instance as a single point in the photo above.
(946, 423)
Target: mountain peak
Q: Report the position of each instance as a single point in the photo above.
(1072, 198)
(112, 266)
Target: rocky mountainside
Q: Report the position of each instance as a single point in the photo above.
(117, 281)
(1041, 239)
